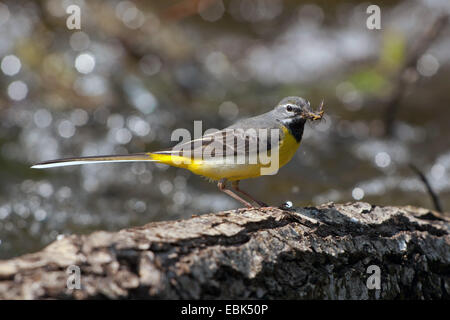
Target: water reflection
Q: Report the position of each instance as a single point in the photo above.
(137, 71)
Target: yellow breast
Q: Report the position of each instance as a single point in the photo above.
(288, 147)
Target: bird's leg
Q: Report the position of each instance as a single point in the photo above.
(222, 187)
(235, 185)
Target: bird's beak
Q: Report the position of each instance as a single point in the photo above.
(315, 115)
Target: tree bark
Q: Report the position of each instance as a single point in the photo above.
(308, 253)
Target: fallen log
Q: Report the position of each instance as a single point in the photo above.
(333, 251)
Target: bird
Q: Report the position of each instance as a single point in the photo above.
(246, 149)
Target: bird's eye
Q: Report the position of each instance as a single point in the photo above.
(289, 108)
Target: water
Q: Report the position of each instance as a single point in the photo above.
(123, 85)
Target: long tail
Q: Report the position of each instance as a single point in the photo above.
(96, 159)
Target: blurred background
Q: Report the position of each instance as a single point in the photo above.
(137, 70)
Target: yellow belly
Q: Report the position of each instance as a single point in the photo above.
(216, 170)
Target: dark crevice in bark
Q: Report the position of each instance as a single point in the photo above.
(308, 253)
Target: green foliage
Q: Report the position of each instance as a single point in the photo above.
(393, 51)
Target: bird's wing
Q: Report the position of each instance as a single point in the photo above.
(226, 142)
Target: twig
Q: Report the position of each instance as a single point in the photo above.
(408, 74)
(434, 196)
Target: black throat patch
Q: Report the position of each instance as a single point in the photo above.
(295, 127)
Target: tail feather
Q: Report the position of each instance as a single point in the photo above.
(95, 159)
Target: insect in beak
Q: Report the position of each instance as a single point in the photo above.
(316, 115)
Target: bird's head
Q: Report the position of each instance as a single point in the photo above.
(296, 109)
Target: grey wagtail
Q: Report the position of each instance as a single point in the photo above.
(286, 120)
